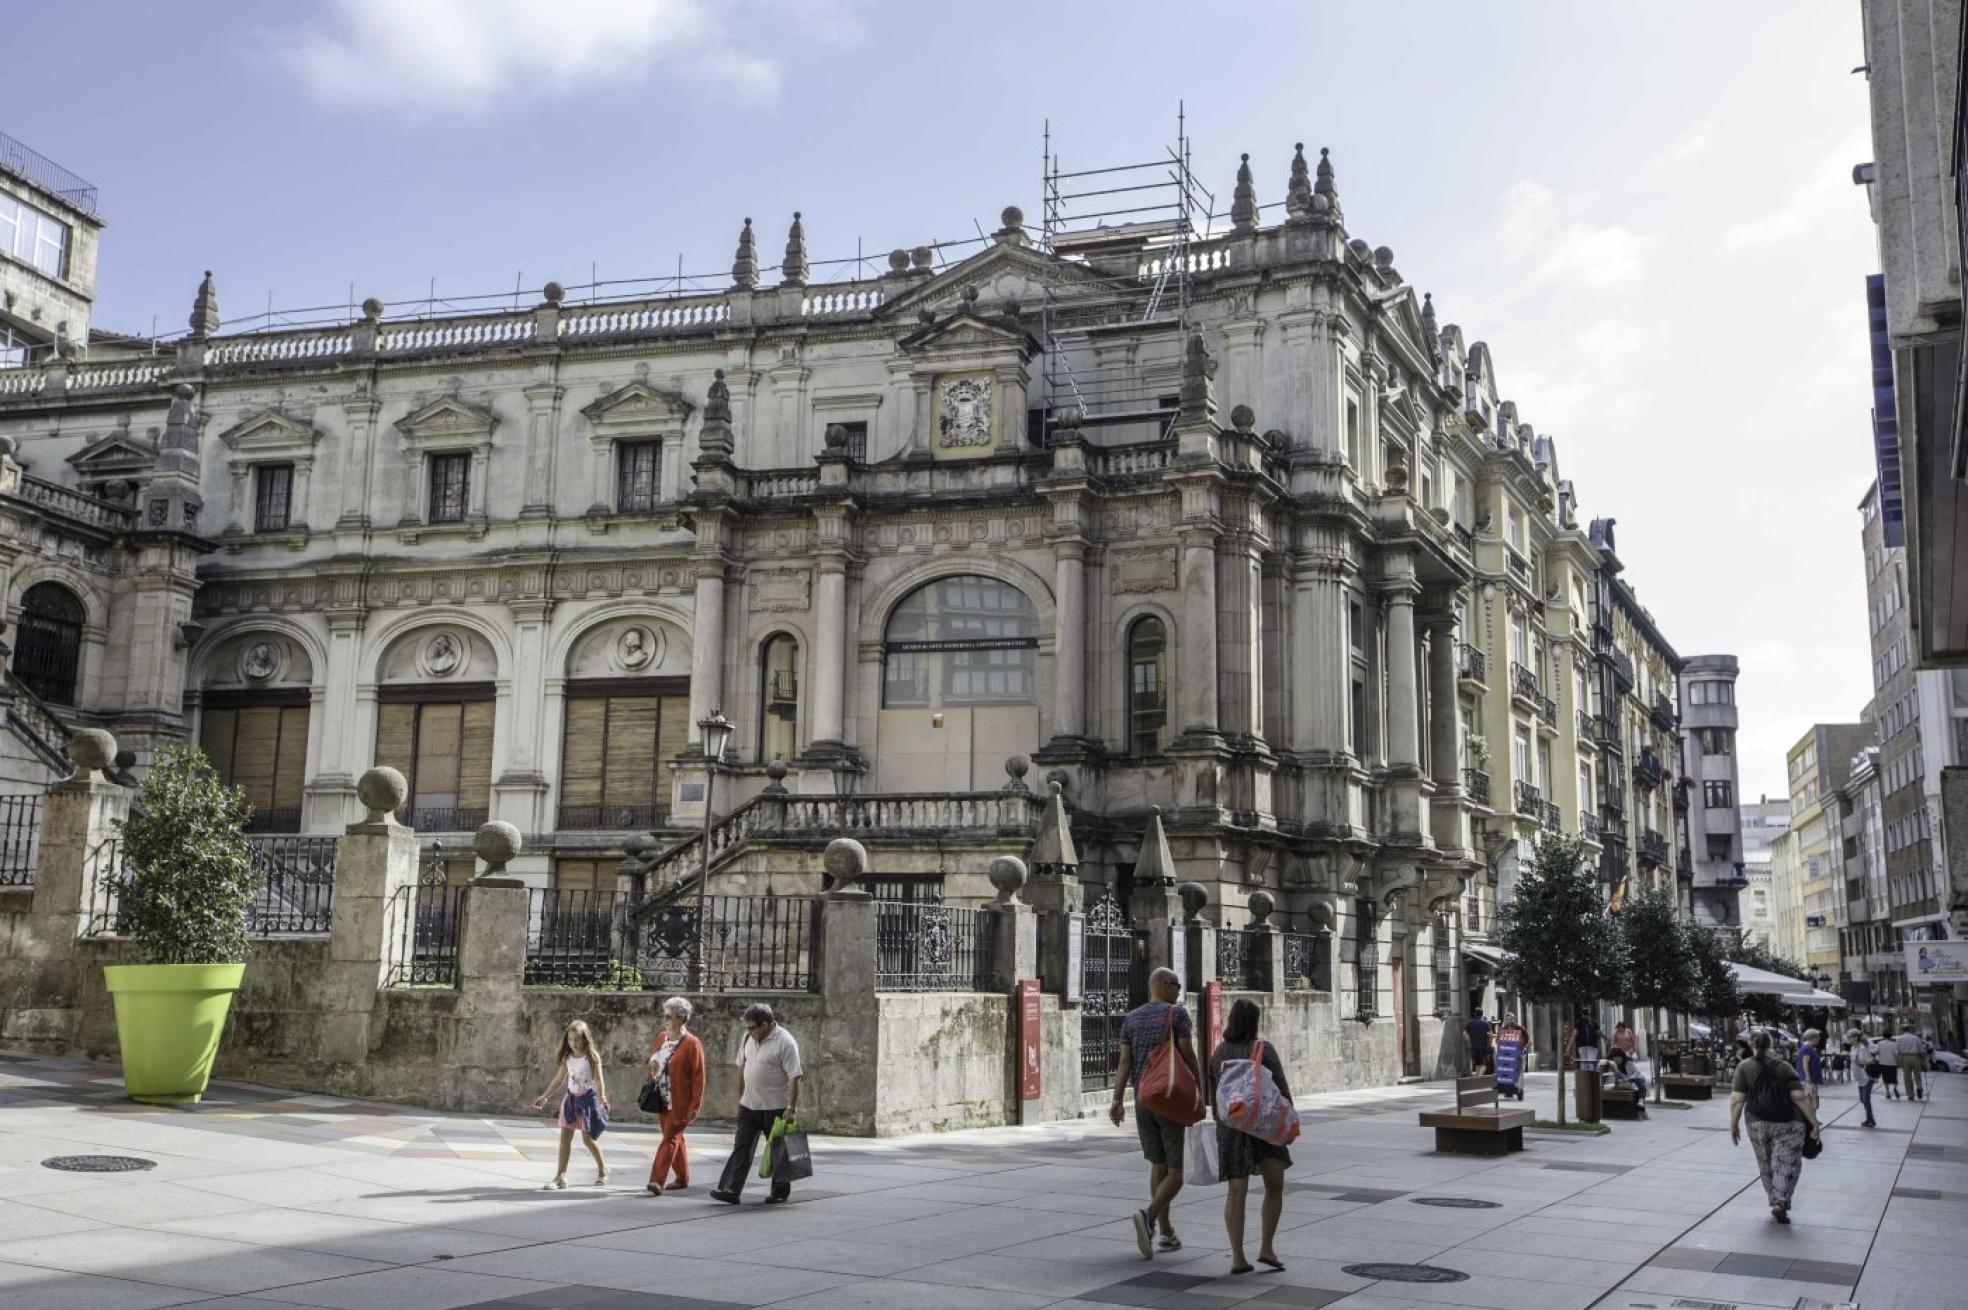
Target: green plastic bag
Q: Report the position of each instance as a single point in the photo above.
(779, 1129)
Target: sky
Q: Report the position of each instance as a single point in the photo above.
(1646, 210)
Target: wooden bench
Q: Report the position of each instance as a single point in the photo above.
(1619, 1103)
(1687, 1087)
(1477, 1125)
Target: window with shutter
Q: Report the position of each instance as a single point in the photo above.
(262, 748)
(444, 750)
(617, 737)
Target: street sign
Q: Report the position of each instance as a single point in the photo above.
(1028, 1039)
(1936, 962)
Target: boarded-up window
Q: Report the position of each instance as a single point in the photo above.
(616, 741)
(444, 750)
(262, 748)
(589, 875)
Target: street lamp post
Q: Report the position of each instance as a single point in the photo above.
(715, 733)
(847, 776)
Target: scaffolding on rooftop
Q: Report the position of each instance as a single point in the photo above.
(1117, 240)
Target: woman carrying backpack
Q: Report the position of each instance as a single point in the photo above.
(1240, 1154)
(1780, 1110)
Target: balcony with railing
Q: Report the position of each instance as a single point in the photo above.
(1613, 802)
(1530, 801)
(68, 503)
(1524, 685)
(1588, 825)
(1662, 711)
(432, 818)
(1470, 666)
(1652, 848)
(1547, 716)
(1684, 862)
(1476, 784)
(1647, 770)
(1623, 670)
(1586, 735)
(1552, 821)
(609, 818)
(1604, 734)
(1678, 787)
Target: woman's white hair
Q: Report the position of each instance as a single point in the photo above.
(679, 1007)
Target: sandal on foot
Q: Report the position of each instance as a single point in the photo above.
(555, 1185)
(1272, 1263)
(1242, 1269)
(1168, 1242)
(654, 1190)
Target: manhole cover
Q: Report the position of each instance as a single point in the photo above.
(1407, 1273)
(1457, 1202)
(98, 1164)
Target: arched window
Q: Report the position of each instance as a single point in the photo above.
(49, 646)
(966, 640)
(1147, 686)
(779, 697)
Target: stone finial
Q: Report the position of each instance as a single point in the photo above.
(1195, 898)
(745, 264)
(1067, 419)
(1155, 865)
(1326, 189)
(553, 293)
(91, 751)
(1243, 418)
(1011, 227)
(1431, 335)
(372, 308)
(844, 862)
(1016, 767)
(835, 436)
(898, 261)
(1198, 395)
(496, 843)
(1053, 853)
(205, 309)
(775, 773)
(922, 259)
(1261, 904)
(180, 421)
(717, 400)
(382, 791)
(1243, 204)
(1298, 191)
(1321, 916)
(1007, 875)
(793, 268)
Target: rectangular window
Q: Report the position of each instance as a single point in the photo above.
(1353, 435)
(613, 751)
(1718, 845)
(32, 237)
(636, 464)
(1718, 795)
(261, 747)
(1585, 786)
(273, 497)
(450, 488)
(1521, 755)
(444, 749)
(857, 439)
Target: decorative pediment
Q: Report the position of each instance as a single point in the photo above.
(971, 332)
(268, 431)
(999, 272)
(117, 455)
(639, 405)
(448, 419)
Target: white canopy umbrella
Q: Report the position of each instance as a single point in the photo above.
(1750, 979)
(1813, 996)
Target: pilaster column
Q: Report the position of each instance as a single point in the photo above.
(830, 648)
(1196, 640)
(1443, 712)
(529, 671)
(707, 642)
(358, 459)
(542, 439)
(1319, 656)
(1403, 707)
(1069, 648)
(1238, 637)
(344, 755)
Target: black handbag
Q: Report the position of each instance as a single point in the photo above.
(652, 1099)
(1813, 1146)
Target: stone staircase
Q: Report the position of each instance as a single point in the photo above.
(38, 732)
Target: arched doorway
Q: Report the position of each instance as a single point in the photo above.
(48, 648)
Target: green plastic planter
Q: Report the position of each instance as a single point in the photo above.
(168, 1021)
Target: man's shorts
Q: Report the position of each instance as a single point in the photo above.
(1161, 1139)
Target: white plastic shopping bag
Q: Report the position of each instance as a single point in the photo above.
(1199, 1155)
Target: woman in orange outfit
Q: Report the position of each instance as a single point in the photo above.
(676, 1062)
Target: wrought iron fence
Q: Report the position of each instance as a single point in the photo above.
(1243, 959)
(1308, 962)
(926, 947)
(610, 818)
(106, 874)
(616, 942)
(905, 887)
(1366, 977)
(297, 885)
(440, 819)
(1477, 784)
(20, 839)
(581, 938)
(423, 935)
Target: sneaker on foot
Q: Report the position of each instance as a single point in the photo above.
(1143, 1235)
(1168, 1242)
(1780, 1213)
(729, 1198)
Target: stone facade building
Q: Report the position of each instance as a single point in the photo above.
(1305, 584)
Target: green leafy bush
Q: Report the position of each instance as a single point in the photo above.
(190, 869)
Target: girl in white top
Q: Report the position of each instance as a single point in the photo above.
(584, 1106)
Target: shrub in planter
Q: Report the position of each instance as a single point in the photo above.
(189, 881)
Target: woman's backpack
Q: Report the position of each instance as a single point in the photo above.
(1248, 1099)
(1769, 1097)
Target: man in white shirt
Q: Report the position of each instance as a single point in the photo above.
(768, 1091)
(1913, 1062)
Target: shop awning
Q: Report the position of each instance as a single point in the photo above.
(1813, 996)
(1749, 979)
(1490, 956)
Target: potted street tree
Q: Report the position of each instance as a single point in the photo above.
(1661, 973)
(183, 900)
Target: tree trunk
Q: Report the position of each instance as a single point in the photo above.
(1653, 1052)
(1564, 1050)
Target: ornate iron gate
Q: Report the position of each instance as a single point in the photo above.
(1107, 986)
(48, 643)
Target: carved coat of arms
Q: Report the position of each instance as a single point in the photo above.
(966, 419)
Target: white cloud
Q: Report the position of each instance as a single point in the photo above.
(467, 55)
(1808, 210)
(1552, 234)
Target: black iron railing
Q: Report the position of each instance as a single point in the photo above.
(431, 818)
(616, 942)
(105, 876)
(1477, 784)
(1552, 820)
(297, 888)
(922, 946)
(1530, 801)
(1663, 711)
(284, 820)
(422, 935)
(1647, 768)
(46, 174)
(610, 818)
(1548, 712)
(1366, 978)
(1588, 825)
(20, 839)
(1308, 962)
(1652, 847)
(1470, 664)
(1243, 959)
(1523, 682)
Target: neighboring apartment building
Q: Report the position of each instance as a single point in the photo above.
(1764, 823)
(1874, 970)
(1714, 817)
(1807, 865)
(48, 235)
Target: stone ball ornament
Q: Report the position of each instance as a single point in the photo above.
(843, 862)
(382, 791)
(496, 843)
(91, 751)
(372, 309)
(1261, 905)
(898, 261)
(1195, 897)
(8, 445)
(1243, 418)
(1007, 874)
(836, 437)
(1012, 216)
(553, 292)
(1016, 767)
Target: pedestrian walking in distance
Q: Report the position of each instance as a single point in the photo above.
(1865, 1068)
(1780, 1113)
(1886, 1059)
(1161, 1139)
(1239, 1155)
(1912, 1052)
(676, 1064)
(1810, 1064)
(584, 1103)
(1481, 1059)
(768, 1091)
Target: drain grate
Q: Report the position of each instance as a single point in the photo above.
(98, 1164)
(1457, 1202)
(1391, 1273)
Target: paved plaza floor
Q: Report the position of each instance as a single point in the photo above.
(269, 1199)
